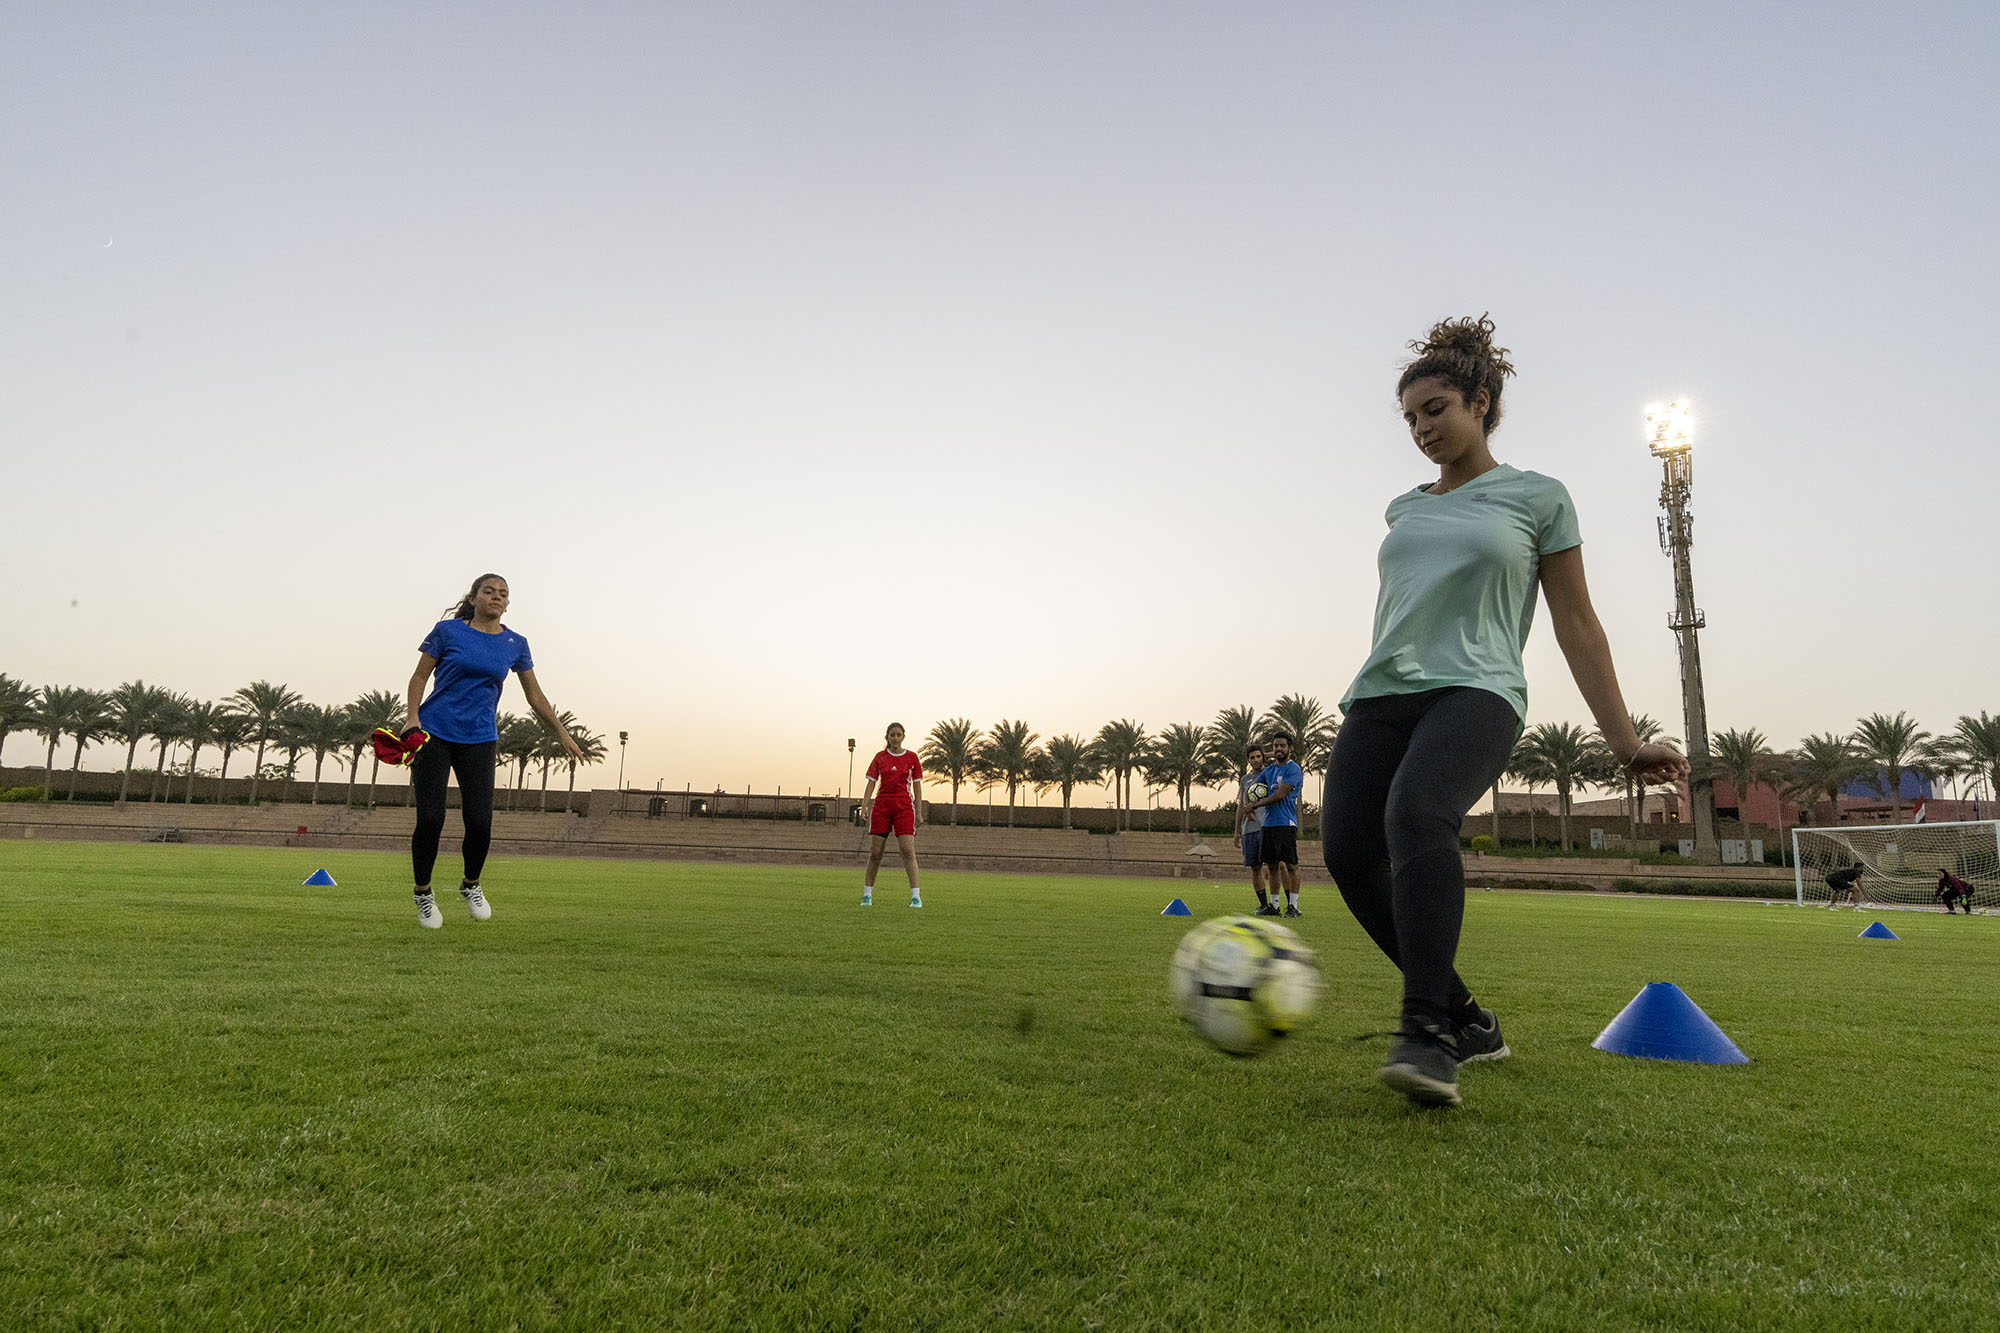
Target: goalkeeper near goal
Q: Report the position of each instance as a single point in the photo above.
(1953, 892)
(1846, 881)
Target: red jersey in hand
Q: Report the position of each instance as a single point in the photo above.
(896, 774)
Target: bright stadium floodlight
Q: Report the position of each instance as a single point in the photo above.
(1670, 427)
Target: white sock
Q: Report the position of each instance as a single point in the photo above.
(1291, 900)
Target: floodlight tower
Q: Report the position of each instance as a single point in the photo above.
(1670, 437)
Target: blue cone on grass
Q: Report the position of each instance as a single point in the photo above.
(1662, 1023)
(1176, 908)
(1877, 931)
(321, 879)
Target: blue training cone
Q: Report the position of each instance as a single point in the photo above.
(321, 879)
(1877, 931)
(1662, 1023)
(1176, 908)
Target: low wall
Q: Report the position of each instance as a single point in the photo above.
(771, 842)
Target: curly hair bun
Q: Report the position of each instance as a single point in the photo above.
(1461, 353)
(1466, 337)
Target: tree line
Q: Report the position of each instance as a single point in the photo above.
(263, 715)
(1565, 756)
(1876, 753)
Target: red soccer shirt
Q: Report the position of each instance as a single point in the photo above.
(898, 773)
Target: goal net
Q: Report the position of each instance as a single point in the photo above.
(1900, 863)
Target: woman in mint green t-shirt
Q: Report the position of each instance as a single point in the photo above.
(1432, 717)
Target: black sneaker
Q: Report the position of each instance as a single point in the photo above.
(1292, 909)
(1423, 1064)
(1481, 1040)
(1267, 909)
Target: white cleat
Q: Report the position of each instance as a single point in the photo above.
(475, 902)
(428, 915)
(867, 898)
(916, 902)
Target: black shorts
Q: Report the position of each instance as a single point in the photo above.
(1280, 845)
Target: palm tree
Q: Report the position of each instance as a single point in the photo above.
(168, 720)
(1311, 728)
(1892, 744)
(232, 733)
(1947, 766)
(291, 736)
(199, 723)
(1008, 758)
(89, 722)
(520, 739)
(1233, 732)
(133, 706)
(594, 749)
(1121, 747)
(1747, 760)
(1978, 743)
(1067, 763)
(549, 748)
(1821, 766)
(952, 751)
(322, 731)
(17, 706)
(59, 704)
(1568, 756)
(1182, 758)
(265, 705)
(377, 708)
(1744, 758)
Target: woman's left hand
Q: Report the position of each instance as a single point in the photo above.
(1658, 764)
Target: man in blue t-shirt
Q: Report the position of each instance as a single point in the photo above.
(1280, 807)
(1250, 826)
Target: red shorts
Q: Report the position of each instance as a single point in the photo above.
(897, 817)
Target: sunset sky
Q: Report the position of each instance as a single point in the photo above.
(810, 366)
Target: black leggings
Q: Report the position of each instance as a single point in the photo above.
(1406, 768)
(435, 764)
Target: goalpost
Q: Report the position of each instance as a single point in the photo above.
(1899, 862)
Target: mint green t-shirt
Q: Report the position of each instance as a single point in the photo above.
(1460, 574)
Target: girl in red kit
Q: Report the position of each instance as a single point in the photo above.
(897, 809)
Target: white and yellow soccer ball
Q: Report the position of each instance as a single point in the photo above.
(1257, 791)
(1244, 983)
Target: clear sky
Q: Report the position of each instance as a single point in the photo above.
(805, 366)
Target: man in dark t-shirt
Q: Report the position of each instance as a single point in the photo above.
(1847, 882)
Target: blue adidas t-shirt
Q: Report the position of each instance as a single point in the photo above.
(464, 703)
(1285, 813)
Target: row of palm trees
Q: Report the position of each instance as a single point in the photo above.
(1879, 750)
(1876, 753)
(1181, 757)
(267, 716)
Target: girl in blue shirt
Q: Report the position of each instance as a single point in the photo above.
(470, 652)
(1432, 718)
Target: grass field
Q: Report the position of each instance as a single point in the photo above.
(671, 1095)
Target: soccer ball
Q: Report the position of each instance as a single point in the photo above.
(1243, 982)
(1258, 791)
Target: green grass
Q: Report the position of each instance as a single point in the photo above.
(671, 1095)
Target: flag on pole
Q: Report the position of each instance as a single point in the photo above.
(1918, 817)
